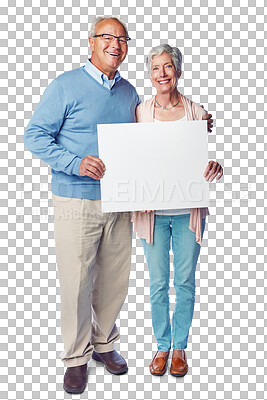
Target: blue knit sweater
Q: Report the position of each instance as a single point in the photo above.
(63, 128)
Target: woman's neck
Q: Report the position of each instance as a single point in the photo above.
(168, 99)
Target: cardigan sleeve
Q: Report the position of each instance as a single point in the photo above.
(139, 112)
(198, 112)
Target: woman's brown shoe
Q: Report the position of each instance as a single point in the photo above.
(158, 365)
(179, 365)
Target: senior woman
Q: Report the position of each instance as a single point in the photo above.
(184, 226)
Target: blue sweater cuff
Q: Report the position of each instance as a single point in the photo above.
(77, 162)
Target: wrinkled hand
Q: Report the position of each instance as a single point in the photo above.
(93, 167)
(208, 118)
(214, 169)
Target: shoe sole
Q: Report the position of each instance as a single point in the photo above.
(74, 391)
(179, 375)
(157, 374)
(121, 372)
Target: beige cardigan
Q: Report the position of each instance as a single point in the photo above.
(144, 222)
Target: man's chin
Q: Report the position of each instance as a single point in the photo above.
(114, 66)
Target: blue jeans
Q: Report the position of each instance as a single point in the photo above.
(186, 251)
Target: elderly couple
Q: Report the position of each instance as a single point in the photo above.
(94, 249)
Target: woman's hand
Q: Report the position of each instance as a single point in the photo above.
(209, 121)
(214, 169)
(208, 118)
(146, 211)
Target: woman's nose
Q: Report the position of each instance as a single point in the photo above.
(162, 72)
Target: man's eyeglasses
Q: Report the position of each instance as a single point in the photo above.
(109, 38)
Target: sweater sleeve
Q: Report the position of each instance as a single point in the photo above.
(43, 128)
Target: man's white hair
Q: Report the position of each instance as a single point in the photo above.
(99, 19)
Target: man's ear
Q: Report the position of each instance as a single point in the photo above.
(91, 43)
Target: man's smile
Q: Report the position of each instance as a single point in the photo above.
(113, 54)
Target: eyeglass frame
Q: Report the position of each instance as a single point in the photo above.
(127, 38)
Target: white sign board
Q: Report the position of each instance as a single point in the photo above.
(154, 166)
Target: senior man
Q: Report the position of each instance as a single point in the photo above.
(93, 249)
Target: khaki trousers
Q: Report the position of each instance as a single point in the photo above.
(93, 257)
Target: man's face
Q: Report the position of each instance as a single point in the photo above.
(106, 56)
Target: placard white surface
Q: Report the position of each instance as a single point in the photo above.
(153, 166)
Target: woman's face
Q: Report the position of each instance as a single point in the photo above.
(163, 74)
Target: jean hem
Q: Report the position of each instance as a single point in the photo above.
(179, 347)
(164, 350)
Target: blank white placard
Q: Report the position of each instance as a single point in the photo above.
(154, 166)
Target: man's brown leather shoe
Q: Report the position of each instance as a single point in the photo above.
(113, 361)
(75, 379)
(179, 365)
(158, 365)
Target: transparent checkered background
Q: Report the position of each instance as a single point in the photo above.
(224, 62)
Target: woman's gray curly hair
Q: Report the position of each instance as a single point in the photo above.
(174, 52)
(99, 19)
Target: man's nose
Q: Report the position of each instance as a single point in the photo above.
(115, 42)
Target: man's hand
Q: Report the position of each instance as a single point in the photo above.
(93, 167)
(214, 169)
(209, 120)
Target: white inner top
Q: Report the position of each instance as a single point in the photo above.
(181, 119)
